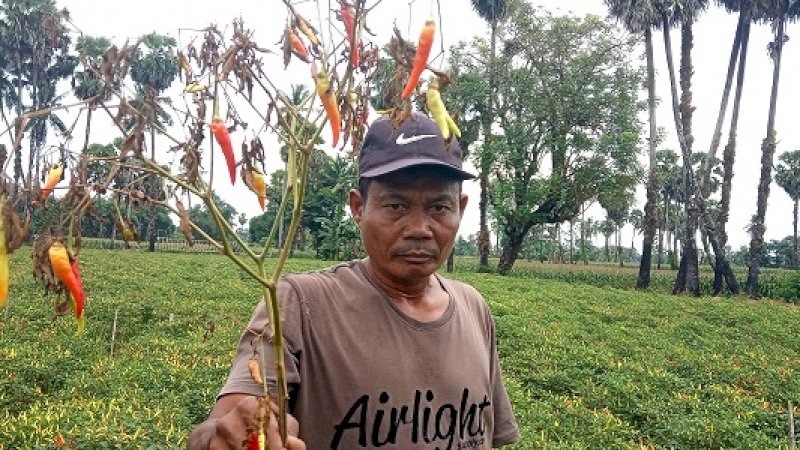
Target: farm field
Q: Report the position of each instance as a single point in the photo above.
(587, 367)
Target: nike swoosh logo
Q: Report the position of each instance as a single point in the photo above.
(403, 140)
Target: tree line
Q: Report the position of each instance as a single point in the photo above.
(549, 108)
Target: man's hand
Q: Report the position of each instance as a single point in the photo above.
(226, 427)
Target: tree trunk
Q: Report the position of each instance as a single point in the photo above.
(511, 249)
(767, 156)
(607, 253)
(619, 246)
(676, 254)
(682, 115)
(794, 235)
(650, 219)
(151, 225)
(584, 257)
(705, 168)
(571, 238)
(451, 260)
(483, 204)
(706, 251)
(728, 158)
(664, 229)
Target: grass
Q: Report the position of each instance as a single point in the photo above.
(586, 367)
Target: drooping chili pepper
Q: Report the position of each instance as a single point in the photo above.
(260, 187)
(305, 28)
(423, 51)
(223, 138)
(439, 112)
(63, 268)
(78, 303)
(53, 177)
(350, 26)
(4, 269)
(298, 48)
(329, 101)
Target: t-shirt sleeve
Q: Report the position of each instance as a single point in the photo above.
(239, 379)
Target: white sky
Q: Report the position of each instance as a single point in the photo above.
(713, 36)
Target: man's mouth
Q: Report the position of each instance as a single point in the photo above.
(416, 257)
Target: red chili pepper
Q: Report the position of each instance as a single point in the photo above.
(79, 301)
(350, 26)
(298, 48)
(328, 97)
(252, 444)
(224, 140)
(423, 51)
(69, 274)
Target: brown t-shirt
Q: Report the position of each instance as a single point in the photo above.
(366, 375)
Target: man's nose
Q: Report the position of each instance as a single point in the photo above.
(418, 225)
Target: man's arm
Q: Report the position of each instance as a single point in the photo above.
(226, 426)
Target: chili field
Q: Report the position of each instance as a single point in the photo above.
(586, 367)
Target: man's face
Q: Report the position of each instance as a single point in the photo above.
(409, 222)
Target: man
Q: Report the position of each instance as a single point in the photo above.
(383, 352)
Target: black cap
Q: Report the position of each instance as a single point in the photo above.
(416, 142)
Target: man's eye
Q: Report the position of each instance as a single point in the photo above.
(440, 208)
(396, 206)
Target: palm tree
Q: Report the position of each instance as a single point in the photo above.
(777, 15)
(668, 179)
(153, 72)
(607, 228)
(684, 12)
(747, 11)
(492, 11)
(35, 44)
(87, 86)
(636, 219)
(787, 175)
(640, 16)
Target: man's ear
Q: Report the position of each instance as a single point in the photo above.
(356, 204)
(462, 203)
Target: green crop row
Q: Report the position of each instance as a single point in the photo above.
(586, 367)
(774, 284)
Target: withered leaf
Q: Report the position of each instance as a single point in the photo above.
(185, 224)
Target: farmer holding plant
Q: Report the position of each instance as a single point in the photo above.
(383, 352)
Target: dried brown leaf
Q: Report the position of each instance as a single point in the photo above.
(185, 223)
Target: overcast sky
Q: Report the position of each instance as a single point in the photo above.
(713, 36)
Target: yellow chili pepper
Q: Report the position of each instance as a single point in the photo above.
(439, 111)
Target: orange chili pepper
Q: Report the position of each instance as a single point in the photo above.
(224, 140)
(328, 97)
(298, 48)
(423, 51)
(69, 274)
(53, 177)
(349, 24)
(259, 187)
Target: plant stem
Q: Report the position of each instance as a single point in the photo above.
(273, 308)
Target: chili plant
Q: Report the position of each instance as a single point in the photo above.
(228, 79)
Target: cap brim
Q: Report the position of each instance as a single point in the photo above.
(404, 164)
